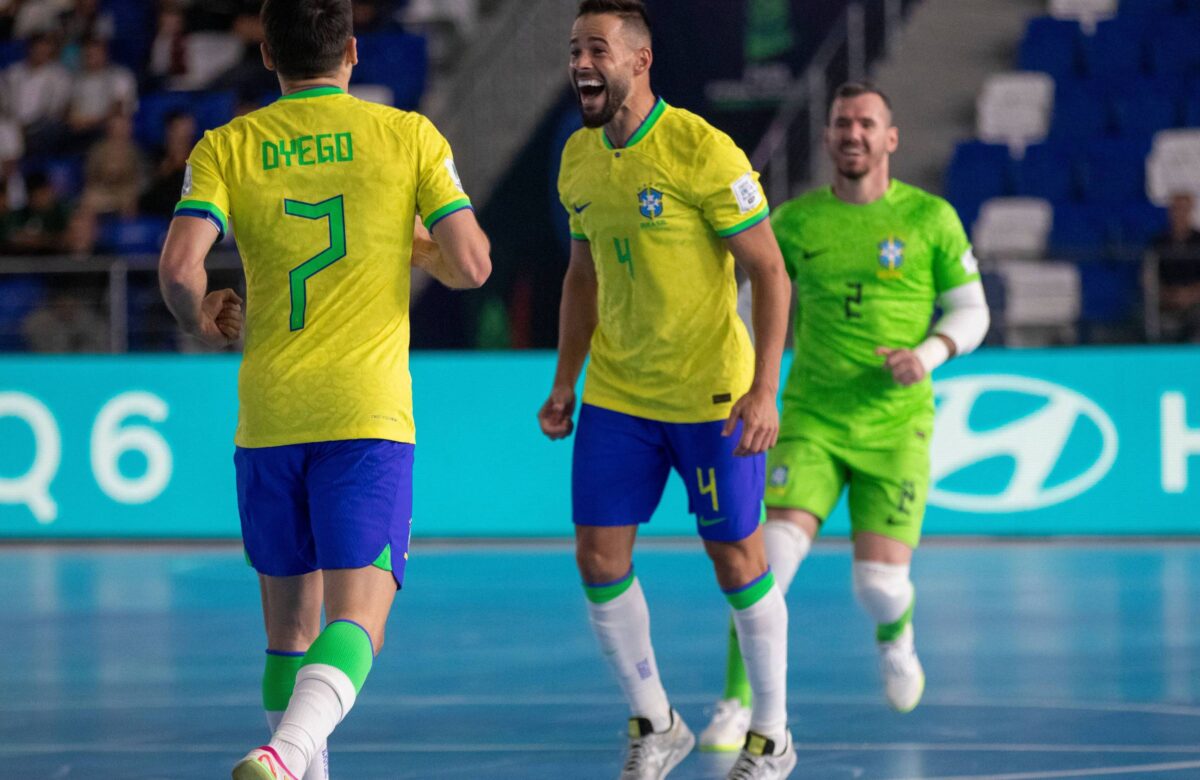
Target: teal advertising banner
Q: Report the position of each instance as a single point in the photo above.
(1043, 442)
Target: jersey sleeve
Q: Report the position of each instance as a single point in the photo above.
(727, 188)
(574, 216)
(205, 194)
(954, 262)
(785, 222)
(439, 189)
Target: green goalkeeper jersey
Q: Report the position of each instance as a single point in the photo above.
(867, 277)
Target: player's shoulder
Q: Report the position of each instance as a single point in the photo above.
(581, 141)
(804, 205)
(685, 127)
(922, 204)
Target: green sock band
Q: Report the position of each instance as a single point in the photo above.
(890, 632)
(749, 595)
(600, 594)
(279, 678)
(737, 685)
(344, 645)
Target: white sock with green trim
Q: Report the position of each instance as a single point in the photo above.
(318, 769)
(787, 546)
(761, 617)
(621, 620)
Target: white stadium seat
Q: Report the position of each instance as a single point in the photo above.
(1015, 109)
(1013, 227)
(1173, 165)
(1043, 301)
(1087, 12)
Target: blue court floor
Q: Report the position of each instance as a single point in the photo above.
(1043, 660)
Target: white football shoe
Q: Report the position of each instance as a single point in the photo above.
(651, 755)
(726, 732)
(903, 677)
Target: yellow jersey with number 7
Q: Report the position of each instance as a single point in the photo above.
(669, 345)
(320, 190)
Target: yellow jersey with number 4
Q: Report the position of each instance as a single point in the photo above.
(669, 345)
(321, 190)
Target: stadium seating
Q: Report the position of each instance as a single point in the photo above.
(1174, 164)
(396, 60)
(1015, 109)
(211, 109)
(978, 171)
(1051, 46)
(1086, 12)
(1013, 227)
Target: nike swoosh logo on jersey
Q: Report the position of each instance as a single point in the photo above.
(579, 209)
(711, 521)
(810, 255)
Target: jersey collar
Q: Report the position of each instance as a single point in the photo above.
(313, 92)
(660, 107)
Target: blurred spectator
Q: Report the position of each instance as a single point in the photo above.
(12, 149)
(375, 16)
(39, 226)
(37, 91)
(114, 170)
(40, 17)
(166, 184)
(169, 52)
(101, 89)
(65, 323)
(8, 16)
(1178, 252)
(88, 21)
(248, 77)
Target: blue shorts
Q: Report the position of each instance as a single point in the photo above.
(326, 505)
(622, 462)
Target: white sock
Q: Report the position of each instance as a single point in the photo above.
(884, 590)
(322, 697)
(787, 546)
(319, 768)
(762, 638)
(623, 627)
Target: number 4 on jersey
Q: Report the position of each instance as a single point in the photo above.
(334, 211)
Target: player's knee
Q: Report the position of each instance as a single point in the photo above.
(598, 565)
(292, 633)
(884, 590)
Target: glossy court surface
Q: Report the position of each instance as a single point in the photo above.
(1044, 661)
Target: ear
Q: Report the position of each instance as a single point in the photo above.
(351, 56)
(645, 58)
(893, 138)
(268, 60)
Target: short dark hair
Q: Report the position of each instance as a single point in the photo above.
(307, 38)
(632, 12)
(853, 89)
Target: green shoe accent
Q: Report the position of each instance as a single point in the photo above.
(892, 631)
(737, 685)
(279, 679)
(251, 770)
(601, 594)
(343, 645)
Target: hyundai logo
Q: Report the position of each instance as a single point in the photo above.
(1045, 469)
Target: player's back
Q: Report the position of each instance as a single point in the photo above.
(321, 189)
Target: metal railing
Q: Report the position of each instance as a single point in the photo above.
(788, 152)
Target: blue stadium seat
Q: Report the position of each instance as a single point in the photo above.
(1143, 107)
(1078, 231)
(396, 60)
(1110, 292)
(10, 52)
(1141, 223)
(141, 235)
(1052, 46)
(1049, 170)
(1115, 50)
(19, 296)
(1174, 50)
(65, 173)
(1150, 8)
(134, 23)
(211, 109)
(977, 172)
(1081, 111)
(1191, 108)
(1114, 170)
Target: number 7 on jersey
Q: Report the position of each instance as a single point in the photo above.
(333, 210)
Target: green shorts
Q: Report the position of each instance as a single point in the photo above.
(888, 485)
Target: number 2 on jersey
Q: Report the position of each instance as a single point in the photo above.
(333, 210)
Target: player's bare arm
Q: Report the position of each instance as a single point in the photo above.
(577, 319)
(458, 256)
(757, 252)
(215, 318)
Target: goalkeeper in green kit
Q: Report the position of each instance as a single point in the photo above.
(870, 258)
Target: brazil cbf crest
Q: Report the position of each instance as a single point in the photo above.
(891, 258)
(650, 202)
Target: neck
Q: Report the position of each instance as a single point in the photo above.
(630, 117)
(868, 189)
(291, 86)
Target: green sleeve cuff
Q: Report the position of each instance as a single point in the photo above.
(445, 211)
(745, 225)
(204, 210)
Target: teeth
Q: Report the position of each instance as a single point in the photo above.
(591, 83)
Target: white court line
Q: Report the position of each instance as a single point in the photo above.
(1135, 769)
(571, 700)
(560, 747)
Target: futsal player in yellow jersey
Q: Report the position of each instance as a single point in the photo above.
(661, 206)
(322, 191)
